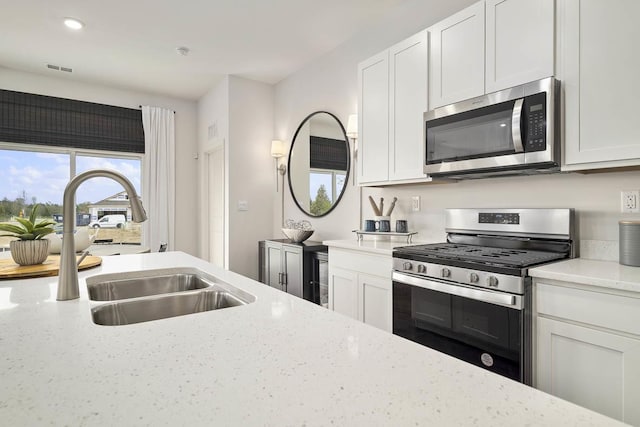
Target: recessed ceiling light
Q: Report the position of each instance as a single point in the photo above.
(73, 23)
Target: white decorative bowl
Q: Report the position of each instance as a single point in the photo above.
(297, 235)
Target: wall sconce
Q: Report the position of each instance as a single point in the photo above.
(278, 151)
(352, 132)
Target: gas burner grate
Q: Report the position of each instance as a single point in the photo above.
(482, 254)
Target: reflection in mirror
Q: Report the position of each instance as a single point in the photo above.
(318, 163)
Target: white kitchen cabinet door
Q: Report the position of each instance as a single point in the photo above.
(457, 57)
(589, 367)
(373, 119)
(375, 301)
(409, 80)
(599, 72)
(520, 42)
(343, 291)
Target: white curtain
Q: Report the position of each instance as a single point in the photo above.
(159, 173)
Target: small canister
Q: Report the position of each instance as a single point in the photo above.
(630, 243)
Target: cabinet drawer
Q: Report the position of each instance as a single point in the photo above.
(377, 265)
(616, 312)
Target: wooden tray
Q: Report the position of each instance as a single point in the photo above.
(11, 270)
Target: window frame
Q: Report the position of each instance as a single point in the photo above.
(73, 153)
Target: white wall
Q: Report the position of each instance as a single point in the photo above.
(330, 83)
(186, 141)
(242, 112)
(213, 130)
(251, 171)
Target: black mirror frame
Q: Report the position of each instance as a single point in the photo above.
(346, 180)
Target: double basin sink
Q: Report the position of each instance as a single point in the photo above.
(143, 296)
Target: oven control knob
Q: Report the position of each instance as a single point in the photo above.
(492, 281)
(407, 266)
(474, 278)
(446, 272)
(422, 269)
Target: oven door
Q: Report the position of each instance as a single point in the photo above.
(485, 328)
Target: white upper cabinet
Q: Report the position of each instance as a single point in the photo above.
(457, 57)
(599, 69)
(373, 119)
(408, 82)
(519, 42)
(393, 98)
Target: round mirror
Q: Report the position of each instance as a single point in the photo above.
(318, 163)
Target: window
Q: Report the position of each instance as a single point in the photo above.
(32, 175)
(324, 188)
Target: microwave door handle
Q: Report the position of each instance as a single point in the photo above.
(516, 132)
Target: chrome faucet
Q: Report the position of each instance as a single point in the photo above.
(68, 276)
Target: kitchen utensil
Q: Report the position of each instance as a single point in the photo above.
(376, 211)
(381, 206)
(393, 205)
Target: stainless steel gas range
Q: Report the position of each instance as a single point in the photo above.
(470, 297)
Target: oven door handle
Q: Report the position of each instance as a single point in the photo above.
(490, 297)
(516, 132)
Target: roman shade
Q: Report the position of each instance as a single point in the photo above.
(27, 118)
(327, 153)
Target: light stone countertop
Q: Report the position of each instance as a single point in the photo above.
(604, 274)
(278, 361)
(368, 244)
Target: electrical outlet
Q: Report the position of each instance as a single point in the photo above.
(415, 203)
(629, 201)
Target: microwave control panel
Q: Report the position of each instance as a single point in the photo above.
(536, 122)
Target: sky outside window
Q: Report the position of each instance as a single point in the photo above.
(97, 189)
(42, 176)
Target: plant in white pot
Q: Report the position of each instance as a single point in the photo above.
(30, 248)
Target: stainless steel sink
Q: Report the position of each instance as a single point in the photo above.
(148, 295)
(101, 289)
(162, 307)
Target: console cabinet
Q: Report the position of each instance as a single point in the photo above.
(360, 286)
(292, 267)
(588, 347)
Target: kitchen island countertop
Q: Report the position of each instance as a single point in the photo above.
(278, 361)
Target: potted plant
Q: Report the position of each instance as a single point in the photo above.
(30, 248)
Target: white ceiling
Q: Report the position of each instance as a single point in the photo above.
(131, 43)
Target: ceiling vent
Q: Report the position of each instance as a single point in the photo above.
(59, 68)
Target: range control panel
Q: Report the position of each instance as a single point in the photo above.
(498, 218)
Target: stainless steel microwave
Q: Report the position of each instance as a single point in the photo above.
(513, 131)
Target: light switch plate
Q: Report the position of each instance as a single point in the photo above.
(415, 203)
(243, 205)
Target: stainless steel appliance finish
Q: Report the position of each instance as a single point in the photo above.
(470, 296)
(117, 289)
(513, 131)
(162, 307)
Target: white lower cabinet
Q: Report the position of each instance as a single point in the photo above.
(360, 286)
(588, 348)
